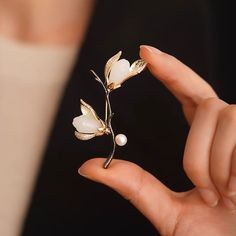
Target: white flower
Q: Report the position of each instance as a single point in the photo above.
(118, 71)
(88, 125)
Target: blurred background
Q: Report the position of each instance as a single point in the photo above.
(199, 33)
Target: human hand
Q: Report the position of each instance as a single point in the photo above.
(209, 209)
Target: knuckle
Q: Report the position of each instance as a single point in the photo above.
(228, 114)
(197, 172)
(193, 171)
(210, 104)
(187, 165)
(135, 195)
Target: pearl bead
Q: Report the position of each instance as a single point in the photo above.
(86, 124)
(121, 139)
(119, 71)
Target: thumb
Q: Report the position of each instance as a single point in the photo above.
(144, 191)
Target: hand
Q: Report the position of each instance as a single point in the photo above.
(209, 209)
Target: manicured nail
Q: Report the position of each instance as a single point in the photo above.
(232, 186)
(229, 204)
(80, 173)
(151, 49)
(209, 197)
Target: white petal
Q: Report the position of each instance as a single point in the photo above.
(119, 71)
(86, 124)
(82, 136)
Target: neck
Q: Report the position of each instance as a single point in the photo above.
(62, 22)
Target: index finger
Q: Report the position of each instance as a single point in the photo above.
(188, 87)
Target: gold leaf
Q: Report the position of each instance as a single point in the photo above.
(83, 136)
(109, 64)
(86, 109)
(137, 67)
(113, 86)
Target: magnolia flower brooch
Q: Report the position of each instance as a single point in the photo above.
(89, 125)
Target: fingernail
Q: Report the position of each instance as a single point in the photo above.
(232, 186)
(209, 197)
(81, 173)
(151, 49)
(229, 204)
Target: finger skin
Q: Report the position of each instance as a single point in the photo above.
(191, 90)
(142, 189)
(222, 150)
(188, 87)
(198, 147)
(232, 178)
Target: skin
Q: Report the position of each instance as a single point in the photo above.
(29, 104)
(45, 22)
(209, 209)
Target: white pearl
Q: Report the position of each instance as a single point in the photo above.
(119, 71)
(121, 139)
(86, 124)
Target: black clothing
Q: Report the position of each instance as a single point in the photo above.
(196, 32)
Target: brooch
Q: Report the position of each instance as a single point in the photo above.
(89, 125)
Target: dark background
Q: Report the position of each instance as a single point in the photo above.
(197, 32)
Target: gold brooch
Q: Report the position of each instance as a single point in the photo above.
(89, 125)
